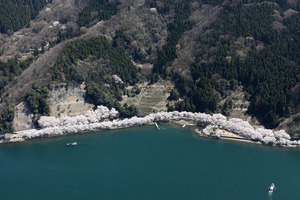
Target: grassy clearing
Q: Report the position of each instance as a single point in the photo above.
(152, 98)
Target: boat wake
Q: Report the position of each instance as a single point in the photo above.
(270, 195)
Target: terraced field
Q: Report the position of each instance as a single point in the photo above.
(152, 98)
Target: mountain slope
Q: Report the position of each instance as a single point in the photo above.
(238, 58)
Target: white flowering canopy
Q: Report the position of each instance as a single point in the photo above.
(102, 118)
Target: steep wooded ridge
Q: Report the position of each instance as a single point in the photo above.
(240, 58)
(14, 14)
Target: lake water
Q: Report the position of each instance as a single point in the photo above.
(143, 163)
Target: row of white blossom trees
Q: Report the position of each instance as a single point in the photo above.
(103, 118)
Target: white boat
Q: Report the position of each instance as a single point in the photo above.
(72, 144)
(183, 125)
(272, 187)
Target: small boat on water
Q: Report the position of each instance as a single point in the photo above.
(183, 125)
(72, 144)
(157, 126)
(272, 187)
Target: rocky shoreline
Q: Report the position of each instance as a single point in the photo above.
(104, 119)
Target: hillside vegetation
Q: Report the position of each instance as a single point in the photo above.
(209, 50)
(268, 74)
(14, 14)
(247, 45)
(97, 9)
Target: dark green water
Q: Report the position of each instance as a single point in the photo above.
(143, 163)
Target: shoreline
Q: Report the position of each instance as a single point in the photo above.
(13, 138)
(240, 139)
(180, 123)
(216, 126)
(195, 129)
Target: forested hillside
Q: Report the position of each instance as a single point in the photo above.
(176, 28)
(101, 87)
(97, 9)
(14, 14)
(267, 63)
(113, 46)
